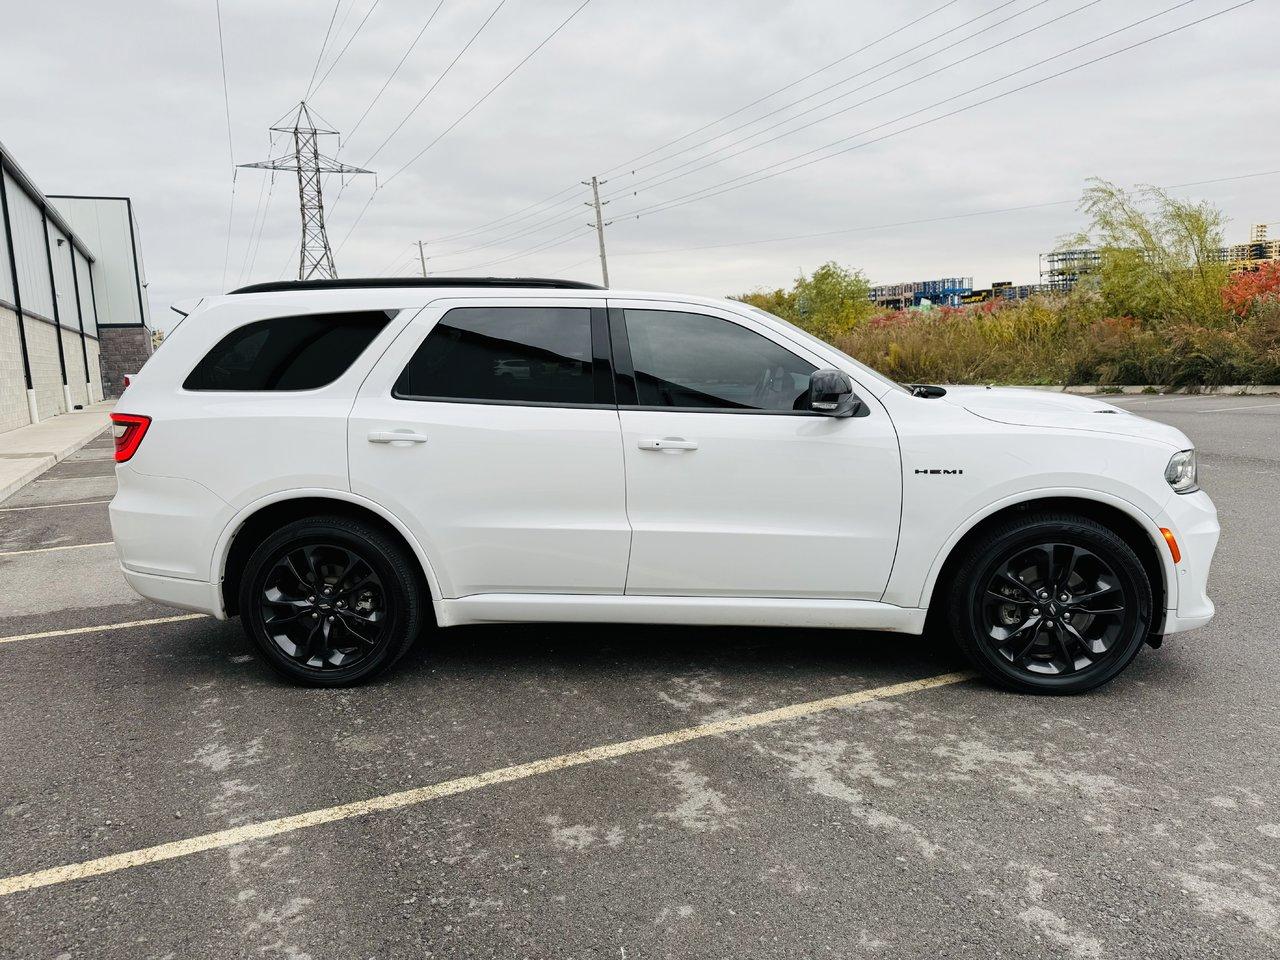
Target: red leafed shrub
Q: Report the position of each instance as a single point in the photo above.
(1251, 287)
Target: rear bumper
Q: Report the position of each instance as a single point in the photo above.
(1193, 520)
(199, 596)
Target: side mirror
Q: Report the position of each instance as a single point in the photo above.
(831, 394)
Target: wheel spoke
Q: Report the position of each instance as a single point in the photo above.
(1069, 664)
(1099, 612)
(997, 595)
(299, 571)
(1106, 588)
(1079, 638)
(1064, 565)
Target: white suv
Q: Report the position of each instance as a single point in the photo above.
(342, 463)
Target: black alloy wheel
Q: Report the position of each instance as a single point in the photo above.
(1053, 609)
(331, 601)
(324, 606)
(1051, 604)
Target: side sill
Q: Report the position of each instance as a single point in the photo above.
(684, 611)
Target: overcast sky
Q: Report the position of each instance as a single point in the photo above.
(126, 98)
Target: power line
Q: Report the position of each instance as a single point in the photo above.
(408, 50)
(529, 56)
(748, 106)
(728, 185)
(693, 197)
(445, 73)
(794, 83)
(831, 86)
(373, 6)
(488, 93)
(656, 179)
(320, 56)
(985, 51)
(231, 152)
(920, 221)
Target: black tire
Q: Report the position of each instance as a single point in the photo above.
(331, 601)
(1006, 606)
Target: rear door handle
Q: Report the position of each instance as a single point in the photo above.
(396, 436)
(668, 443)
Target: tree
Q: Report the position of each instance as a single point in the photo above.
(829, 303)
(1159, 254)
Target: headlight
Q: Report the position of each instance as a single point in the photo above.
(1181, 472)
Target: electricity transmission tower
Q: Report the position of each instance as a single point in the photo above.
(315, 256)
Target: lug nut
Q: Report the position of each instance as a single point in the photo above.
(342, 603)
(1035, 611)
(314, 615)
(1044, 594)
(1065, 597)
(1066, 616)
(311, 599)
(330, 619)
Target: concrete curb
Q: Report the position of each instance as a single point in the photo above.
(1230, 390)
(24, 456)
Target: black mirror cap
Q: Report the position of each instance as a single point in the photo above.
(831, 394)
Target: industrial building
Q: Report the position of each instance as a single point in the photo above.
(1060, 270)
(73, 307)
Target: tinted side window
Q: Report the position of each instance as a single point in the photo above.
(693, 360)
(511, 354)
(287, 353)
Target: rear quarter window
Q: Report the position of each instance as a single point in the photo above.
(288, 353)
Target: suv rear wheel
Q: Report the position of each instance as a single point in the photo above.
(331, 601)
(1051, 603)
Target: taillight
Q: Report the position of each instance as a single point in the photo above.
(128, 430)
(127, 381)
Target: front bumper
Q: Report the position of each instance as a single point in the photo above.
(1193, 520)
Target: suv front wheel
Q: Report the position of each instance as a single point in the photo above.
(1051, 603)
(331, 601)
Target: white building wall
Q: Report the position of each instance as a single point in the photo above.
(84, 277)
(64, 284)
(6, 275)
(28, 250)
(107, 227)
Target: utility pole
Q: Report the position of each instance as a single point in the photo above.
(422, 259)
(595, 184)
(315, 257)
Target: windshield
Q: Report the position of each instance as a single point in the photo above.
(810, 338)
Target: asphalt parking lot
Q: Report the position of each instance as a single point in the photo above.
(907, 820)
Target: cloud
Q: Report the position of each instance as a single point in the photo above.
(127, 99)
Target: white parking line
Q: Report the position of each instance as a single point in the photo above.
(68, 546)
(105, 626)
(1250, 406)
(92, 476)
(46, 506)
(408, 798)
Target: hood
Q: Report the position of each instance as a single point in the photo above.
(1066, 411)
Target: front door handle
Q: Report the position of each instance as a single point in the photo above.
(396, 436)
(668, 443)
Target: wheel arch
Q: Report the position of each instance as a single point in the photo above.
(1126, 520)
(247, 529)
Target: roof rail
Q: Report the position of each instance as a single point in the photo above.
(373, 283)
